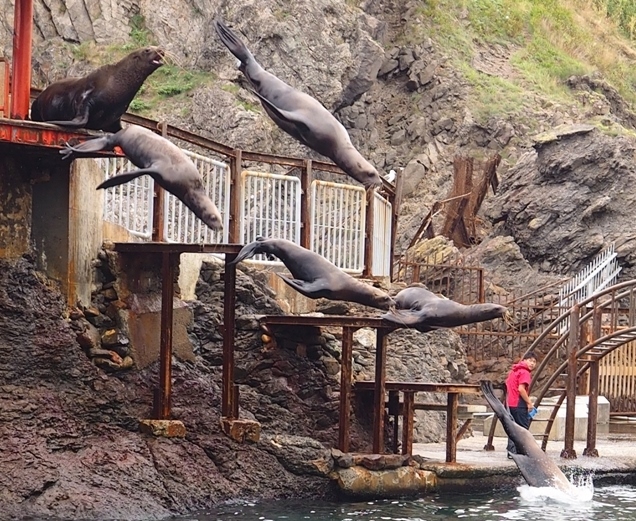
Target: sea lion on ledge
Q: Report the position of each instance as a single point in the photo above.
(99, 100)
(314, 276)
(418, 308)
(535, 465)
(301, 116)
(164, 161)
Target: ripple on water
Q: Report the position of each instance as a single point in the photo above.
(607, 503)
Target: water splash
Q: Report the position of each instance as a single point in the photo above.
(582, 491)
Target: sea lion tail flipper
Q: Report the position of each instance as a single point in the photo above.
(495, 404)
(248, 251)
(92, 145)
(120, 179)
(232, 42)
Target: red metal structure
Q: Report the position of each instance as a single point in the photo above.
(21, 70)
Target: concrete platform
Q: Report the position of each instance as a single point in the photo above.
(477, 468)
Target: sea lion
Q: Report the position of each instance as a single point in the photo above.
(314, 276)
(99, 100)
(421, 309)
(536, 466)
(301, 116)
(163, 161)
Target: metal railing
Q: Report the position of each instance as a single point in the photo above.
(599, 274)
(338, 224)
(181, 225)
(270, 207)
(130, 204)
(382, 222)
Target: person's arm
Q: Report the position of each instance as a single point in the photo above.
(524, 396)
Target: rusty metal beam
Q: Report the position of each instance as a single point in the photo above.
(330, 321)
(345, 387)
(43, 135)
(305, 215)
(422, 387)
(229, 398)
(592, 418)
(368, 236)
(235, 196)
(162, 395)
(378, 397)
(4, 99)
(568, 451)
(451, 427)
(21, 77)
(407, 423)
(168, 247)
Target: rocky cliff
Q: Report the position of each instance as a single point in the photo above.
(71, 444)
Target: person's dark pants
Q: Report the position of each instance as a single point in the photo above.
(520, 415)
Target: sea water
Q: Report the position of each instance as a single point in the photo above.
(586, 503)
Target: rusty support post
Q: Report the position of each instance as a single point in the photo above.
(305, 217)
(568, 451)
(368, 236)
(345, 388)
(394, 410)
(592, 414)
(162, 396)
(229, 398)
(378, 397)
(4, 63)
(407, 423)
(396, 203)
(235, 197)
(451, 427)
(21, 76)
(158, 201)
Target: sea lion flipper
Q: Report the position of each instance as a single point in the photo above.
(249, 250)
(120, 179)
(286, 116)
(232, 42)
(301, 286)
(92, 145)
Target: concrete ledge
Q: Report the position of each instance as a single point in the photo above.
(241, 430)
(165, 428)
(360, 482)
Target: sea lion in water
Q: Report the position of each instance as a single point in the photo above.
(536, 466)
(163, 161)
(314, 276)
(301, 116)
(99, 100)
(421, 309)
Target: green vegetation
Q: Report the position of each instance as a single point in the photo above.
(547, 41)
(623, 12)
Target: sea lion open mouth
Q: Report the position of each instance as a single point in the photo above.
(158, 58)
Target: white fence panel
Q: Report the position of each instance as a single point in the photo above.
(338, 223)
(130, 204)
(270, 207)
(599, 274)
(181, 225)
(382, 224)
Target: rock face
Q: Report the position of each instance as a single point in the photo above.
(569, 198)
(71, 447)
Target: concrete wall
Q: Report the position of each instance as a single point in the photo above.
(15, 202)
(85, 229)
(67, 231)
